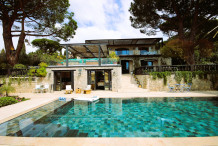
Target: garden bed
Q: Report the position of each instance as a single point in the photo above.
(4, 101)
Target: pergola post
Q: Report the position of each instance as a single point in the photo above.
(99, 55)
(66, 55)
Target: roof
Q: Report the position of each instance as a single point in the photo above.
(91, 48)
(133, 41)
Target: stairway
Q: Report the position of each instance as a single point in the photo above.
(129, 85)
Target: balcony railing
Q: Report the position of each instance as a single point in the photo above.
(136, 52)
(88, 62)
(172, 68)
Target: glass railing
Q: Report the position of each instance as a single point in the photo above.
(124, 52)
(108, 61)
(148, 53)
(136, 52)
(87, 62)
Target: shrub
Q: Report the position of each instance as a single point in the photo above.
(41, 71)
(7, 89)
(7, 101)
(19, 66)
(31, 71)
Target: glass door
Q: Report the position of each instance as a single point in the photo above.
(63, 78)
(91, 79)
(107, 80)
(57, 83)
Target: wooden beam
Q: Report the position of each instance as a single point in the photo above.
(102, 51)
(77, 51)
(89, 50)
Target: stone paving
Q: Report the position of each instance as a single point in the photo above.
(37, 100)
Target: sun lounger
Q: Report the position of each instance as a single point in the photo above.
(87, 90)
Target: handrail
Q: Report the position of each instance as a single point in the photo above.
(172, 68)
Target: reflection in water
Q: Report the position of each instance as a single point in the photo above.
(80, 107)
(116, 106)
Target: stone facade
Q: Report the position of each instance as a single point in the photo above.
(197, 83)
(135, 58)
(80, 75)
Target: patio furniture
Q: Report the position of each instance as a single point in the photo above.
(188, 87)
(68, 90)
(78, 91)
(179, 87)
(38, 88)
(87, 90)
(45, 88)
(171, 88)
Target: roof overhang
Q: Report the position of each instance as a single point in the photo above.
(133, 41)
(85, 50)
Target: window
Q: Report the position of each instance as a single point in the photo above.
(144, 50)
(122, 51)
(146, 63)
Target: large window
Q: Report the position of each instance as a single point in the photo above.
(122, 51)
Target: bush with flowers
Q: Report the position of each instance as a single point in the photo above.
(8, 100)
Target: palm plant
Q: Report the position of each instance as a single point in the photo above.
(7, 89)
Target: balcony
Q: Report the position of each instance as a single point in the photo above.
(136, 52)
(88, 62)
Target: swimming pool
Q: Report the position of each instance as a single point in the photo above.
(119, 117)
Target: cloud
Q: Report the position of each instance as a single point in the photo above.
(107, 19)
(100, 19)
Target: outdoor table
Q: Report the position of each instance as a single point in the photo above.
(177, 87)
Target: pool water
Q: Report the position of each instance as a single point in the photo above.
(116, 117)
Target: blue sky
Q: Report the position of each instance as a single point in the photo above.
(99, 19)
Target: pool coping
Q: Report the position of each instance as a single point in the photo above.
(7, 140)
(24, 112)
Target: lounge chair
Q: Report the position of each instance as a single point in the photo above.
(38, 88)
(171, 88)
(68, 90)
(45, 88)
(87, 90)
(188, 87)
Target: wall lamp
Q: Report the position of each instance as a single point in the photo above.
(80, 71)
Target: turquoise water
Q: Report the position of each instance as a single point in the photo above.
(115, 117)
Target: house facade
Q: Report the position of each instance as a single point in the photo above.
(88, 63)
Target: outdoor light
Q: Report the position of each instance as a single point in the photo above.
(114, 73)
(80, 70)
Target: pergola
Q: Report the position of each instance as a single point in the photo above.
(100, 48)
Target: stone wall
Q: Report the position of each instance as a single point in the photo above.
(27, 86)
(80, 81)
(197, 84)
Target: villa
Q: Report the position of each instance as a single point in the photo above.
(93, 67)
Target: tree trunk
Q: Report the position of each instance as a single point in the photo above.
(12, 55)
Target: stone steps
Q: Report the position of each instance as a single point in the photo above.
(129, 85)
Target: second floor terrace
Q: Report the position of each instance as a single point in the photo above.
(96, 52)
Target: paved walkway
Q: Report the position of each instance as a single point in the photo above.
(37, 100)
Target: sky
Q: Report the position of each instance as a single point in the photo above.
(98, 19)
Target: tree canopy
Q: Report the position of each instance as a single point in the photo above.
(21, 18)
(182, 18)
(46, 45)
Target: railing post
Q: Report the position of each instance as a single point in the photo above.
(99, 55)
(66, 56)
